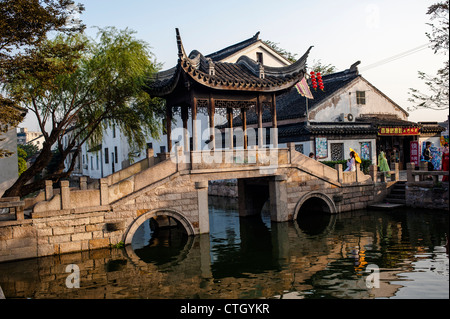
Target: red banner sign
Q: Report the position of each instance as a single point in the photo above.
(398, 130)
(414, 152)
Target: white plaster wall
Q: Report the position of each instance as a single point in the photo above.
(355, 145)
(8, 165)
(345, 102)
(270, 57)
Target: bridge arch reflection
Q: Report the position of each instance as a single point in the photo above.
(315, 213)
(157, 215)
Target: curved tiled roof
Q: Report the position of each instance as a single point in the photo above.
(244, 75)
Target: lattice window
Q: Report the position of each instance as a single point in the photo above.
(233, 104)
(360, 97)
(299, 148)
(202, 103)
(337, 151)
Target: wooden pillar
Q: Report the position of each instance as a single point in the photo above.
(212, 112)
(194, 123)
(230, 126)
(260, 130)
(169, 127)
(185, 117)
(244, 126)
(274, 121)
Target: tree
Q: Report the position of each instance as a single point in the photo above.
(21, 159)
(287, 55)
(438, 85)
(99, 83)
(324, 69)
(24, 24)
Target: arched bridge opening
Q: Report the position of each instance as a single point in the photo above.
(315, 213)
(158, 228)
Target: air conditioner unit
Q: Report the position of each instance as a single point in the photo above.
(346, 117)
(350, 117)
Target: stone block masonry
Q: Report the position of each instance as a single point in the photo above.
(54, 234)
(88, 219)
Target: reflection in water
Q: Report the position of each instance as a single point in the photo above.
(254, 258)
(160, 245)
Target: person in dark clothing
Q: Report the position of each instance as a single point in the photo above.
(427, 155)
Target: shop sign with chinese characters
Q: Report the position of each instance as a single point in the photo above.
(398, 130)
(414, 152)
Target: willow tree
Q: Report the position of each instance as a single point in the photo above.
(24, 24)
(101, 82)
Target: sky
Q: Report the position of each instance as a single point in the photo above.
(342, 32)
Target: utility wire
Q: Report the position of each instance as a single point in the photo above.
(395, 57)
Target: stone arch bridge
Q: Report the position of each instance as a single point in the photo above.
(175, 188)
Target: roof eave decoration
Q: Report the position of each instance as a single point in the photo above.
(244, 75)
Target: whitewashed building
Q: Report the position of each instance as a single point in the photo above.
(350, 112)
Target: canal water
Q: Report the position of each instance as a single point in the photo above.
(363, 254)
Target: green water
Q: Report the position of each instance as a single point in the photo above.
(318, 257)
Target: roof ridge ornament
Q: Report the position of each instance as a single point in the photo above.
(211, 70)
(181, 52)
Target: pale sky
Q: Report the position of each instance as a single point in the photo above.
(342, 32)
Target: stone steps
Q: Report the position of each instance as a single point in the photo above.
(398, 194)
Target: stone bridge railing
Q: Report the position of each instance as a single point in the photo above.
(424, 189)
(153, 169)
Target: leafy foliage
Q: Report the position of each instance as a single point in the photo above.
(438, 85)
(80, 86)
(364, 166)
(21, 159)
(24, 24)
(287, 55)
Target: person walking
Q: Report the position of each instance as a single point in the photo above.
(427, 155)
(383, 165)
(351, 163)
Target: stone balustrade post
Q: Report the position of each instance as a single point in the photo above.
(65, 195)
(373, 171)
(423, 166)
(150, 157)
(104, 192)
(83, 182)
(340, 173)
(358, 172)
(48, 190)
(409, 172)
(396, 172)
(291, 148)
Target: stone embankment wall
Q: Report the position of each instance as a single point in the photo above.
(425, 189)
(428, 195)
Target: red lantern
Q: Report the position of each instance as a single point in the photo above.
(319, 78)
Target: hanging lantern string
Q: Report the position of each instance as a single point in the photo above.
(316, 80)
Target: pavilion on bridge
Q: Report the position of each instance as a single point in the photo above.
(201, 83)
